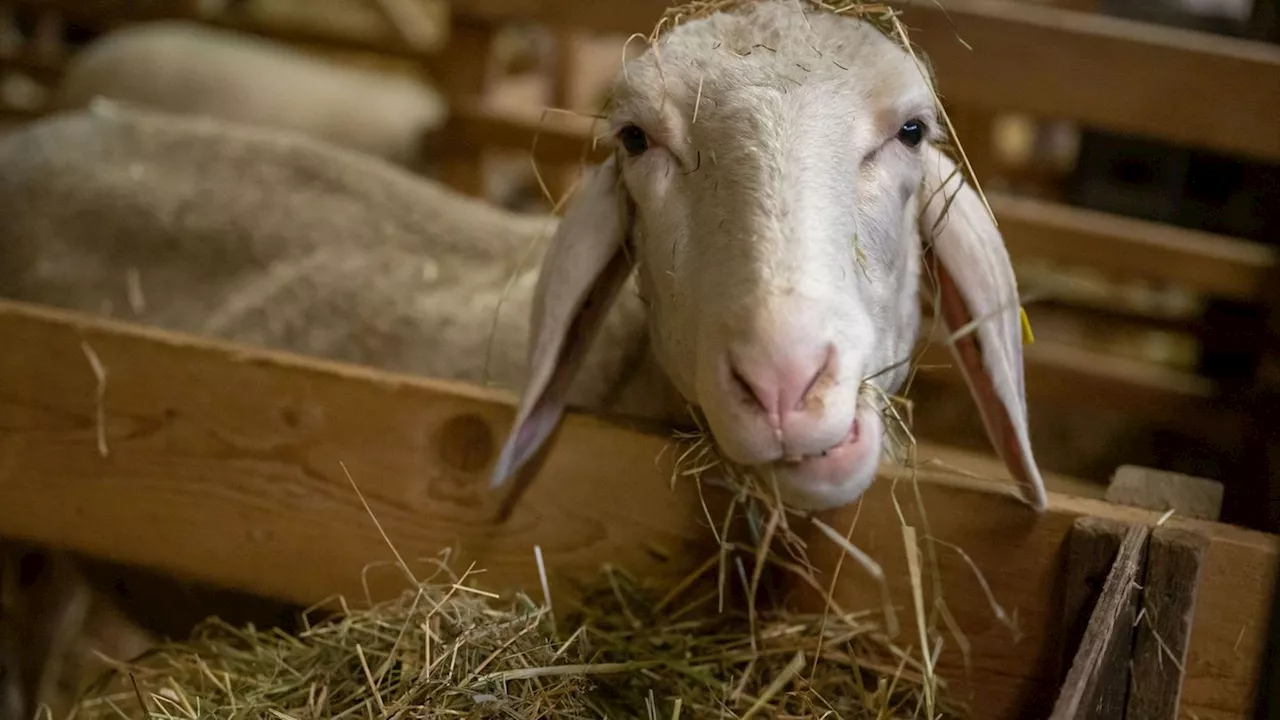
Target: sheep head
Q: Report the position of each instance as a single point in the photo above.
(774, 174)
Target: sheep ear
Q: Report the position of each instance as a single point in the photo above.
(978, 300)
(582, 271)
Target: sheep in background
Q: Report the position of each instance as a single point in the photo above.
(187, 67)
(273, 239)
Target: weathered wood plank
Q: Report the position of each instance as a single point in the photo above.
(1169, 591)
(1097, 685)
(1266, 700)
(471, 42)
(224, 466)
(1162, 491)
(1126, 247)
(1166, 83)
(1092, 547)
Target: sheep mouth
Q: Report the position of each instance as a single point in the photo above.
(850, 439)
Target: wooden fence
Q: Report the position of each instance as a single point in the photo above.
(228, 465)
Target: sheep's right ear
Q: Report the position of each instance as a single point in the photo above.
(978, 302)
(584, 267)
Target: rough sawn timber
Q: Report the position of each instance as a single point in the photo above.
(1097, 684)
(225, 463)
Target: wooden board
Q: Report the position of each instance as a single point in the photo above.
(1097, 685)
(224, 465)
(1181, 86)
(1091, 552)
(1175, 559)
(1126, 247)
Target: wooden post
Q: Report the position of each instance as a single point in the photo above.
(561, 176)
(1134, 632)
(1174, 559)
(470, 47)
(1091, 551)
(1097, 684)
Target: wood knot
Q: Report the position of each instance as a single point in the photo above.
(465, 444)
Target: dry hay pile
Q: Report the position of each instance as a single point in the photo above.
(447, 650)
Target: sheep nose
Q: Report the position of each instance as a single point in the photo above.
(782, 381)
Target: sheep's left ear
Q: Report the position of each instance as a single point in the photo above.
(977, 297)
(582, 272)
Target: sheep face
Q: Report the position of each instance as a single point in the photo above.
(774, 189)
(770, 169)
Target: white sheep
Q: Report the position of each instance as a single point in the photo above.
(776, 173)
(189, 67)
(771, 249)
(277, 240)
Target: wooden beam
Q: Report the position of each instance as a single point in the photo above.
(1181, 86)
(1175, 559)
(380, 41)
(1127, 247)
(1097, 686)
(465, 170)
(1092, 547)
(33, 66)
(552, 138)
(224, 465)
(1059, 373)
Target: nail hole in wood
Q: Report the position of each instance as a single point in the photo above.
(466, 444)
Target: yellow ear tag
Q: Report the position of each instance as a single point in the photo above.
(1028, 337)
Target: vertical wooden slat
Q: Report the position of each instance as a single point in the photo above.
(1097, 685)
(560, 176)
(1174, 559)
(470, 50)
(1091, 551)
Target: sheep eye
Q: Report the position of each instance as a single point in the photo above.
(633, 140)
(911, 133)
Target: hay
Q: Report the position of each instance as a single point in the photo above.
(446, 651)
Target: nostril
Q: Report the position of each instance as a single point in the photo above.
(820, 380)
(749, 392)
